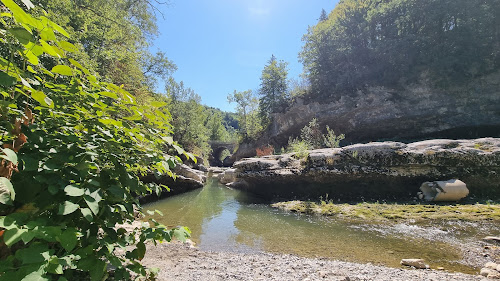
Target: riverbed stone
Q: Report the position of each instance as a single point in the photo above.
(486, 271)
(386, 170)
(417, 263)
(491, 265)
(227, 176)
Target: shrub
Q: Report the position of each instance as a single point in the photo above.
(73, 150)
(265, 150)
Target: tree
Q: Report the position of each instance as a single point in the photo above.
(323, 16)
(113, 39)
(397, 42)
(249, 121)
(273, 88)
(188, 118)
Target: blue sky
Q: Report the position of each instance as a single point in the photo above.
(222, 45)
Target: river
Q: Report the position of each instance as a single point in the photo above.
(223, 219)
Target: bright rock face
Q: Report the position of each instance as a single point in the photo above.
(379, 170)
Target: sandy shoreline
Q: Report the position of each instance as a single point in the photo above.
(181, 262)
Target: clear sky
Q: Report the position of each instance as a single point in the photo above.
(222, 45)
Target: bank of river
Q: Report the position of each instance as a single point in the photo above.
(228, 221)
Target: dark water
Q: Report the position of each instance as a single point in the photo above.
(222, 219)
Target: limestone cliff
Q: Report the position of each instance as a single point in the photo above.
(380, 170)
(378, 113)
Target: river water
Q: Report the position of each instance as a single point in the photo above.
(223, 219)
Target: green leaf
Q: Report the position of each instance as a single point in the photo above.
(18, 12)
(9, 155)
(32, 58)
(92, 203)
(13, 235)
(108, 94)
(78, 65)
(49, 49)
(7, 80)
(68, 47)
(63, 70)
(32, 254)
(87, 214)
(181, 234)
(59, 29)
(74, 191)
(6, 186)
(42, 98)
(158, 104)
(35, 276)
(141, 250)
(69, 239)
(22, 35)
(67, 208)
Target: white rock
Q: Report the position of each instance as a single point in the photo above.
(486, 271)
(491, 265)
(417, 263)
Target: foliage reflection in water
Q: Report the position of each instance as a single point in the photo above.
(224, 219)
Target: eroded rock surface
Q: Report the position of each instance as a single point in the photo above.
(379, 113)
(375, 170)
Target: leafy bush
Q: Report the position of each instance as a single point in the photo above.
(330, 139)
(299, 147)
(74, 149)
(312, 138)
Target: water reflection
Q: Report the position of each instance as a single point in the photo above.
(224, 219)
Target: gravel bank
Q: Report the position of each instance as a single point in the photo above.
(180, 262)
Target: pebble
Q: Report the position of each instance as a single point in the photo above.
(195, 264)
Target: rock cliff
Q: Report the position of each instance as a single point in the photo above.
(379, 170)
(377, 113)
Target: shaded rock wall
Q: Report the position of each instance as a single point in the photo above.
(378, 113)
(381, 170)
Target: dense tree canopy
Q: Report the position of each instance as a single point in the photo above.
(396, 42)
(113, 38)
(249, 120)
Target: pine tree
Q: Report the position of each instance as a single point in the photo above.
(273, 88)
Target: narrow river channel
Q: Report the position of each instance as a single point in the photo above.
(223, 219)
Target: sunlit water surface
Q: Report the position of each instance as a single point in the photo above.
(223, 219)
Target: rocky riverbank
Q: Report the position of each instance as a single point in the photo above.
(379, 170)
(182, 262)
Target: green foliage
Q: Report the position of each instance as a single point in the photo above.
(273, 88)
(330, 139)
(74, 148)
(218, 124)
(397, 42)
(299, 147)
(188, 118)
(249, 120)
(112, 39)
(311, 137)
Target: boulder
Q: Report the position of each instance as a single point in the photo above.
(450, 190)
(228, 176)
(417, 263)
(186, 179)
(379, 170)
(188, 172)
